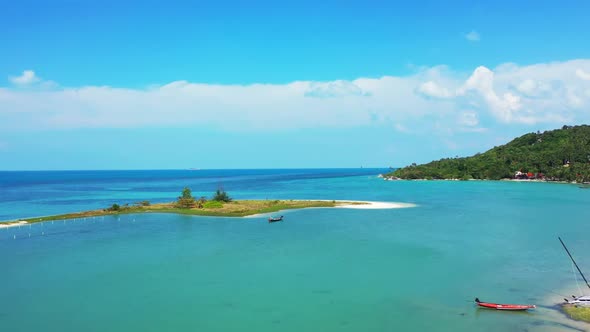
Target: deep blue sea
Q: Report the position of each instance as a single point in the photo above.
(332, 269)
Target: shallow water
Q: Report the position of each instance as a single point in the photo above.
(412, 269)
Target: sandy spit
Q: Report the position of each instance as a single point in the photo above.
(12, 224)
(377, 205)
(369, 205)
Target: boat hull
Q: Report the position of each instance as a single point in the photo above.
(507, 307)
(580, 301)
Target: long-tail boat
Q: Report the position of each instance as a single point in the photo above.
(274, 219)
(510, 307)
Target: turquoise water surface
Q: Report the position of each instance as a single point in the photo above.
(414, 269)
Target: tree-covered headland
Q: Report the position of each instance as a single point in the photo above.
(556, 155)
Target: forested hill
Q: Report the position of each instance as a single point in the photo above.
(562, 154)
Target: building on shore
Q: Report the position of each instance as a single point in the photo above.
(528, 176)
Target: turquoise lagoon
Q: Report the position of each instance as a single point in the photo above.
(413, 269)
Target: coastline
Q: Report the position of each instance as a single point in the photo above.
(388, 178)
(564, 312)
(361, 205)
(374, 205)
(236, 209)
(576, 313)
(13, 224)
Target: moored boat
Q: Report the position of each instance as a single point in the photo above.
(584, 300)
(509, 307)
(274, 219)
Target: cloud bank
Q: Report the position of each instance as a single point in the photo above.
(547, 93)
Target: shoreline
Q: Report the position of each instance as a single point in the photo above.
(359, 205)
(385, 178)
(375, 205)
(235, 209)
(577, 315)
(13, 224)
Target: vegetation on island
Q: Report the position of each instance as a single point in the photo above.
(221, 196)
(187, 201)
(220, 205)
(556, 155)
(577, 313)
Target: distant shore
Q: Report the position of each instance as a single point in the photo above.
(242, 208)
(393, 178)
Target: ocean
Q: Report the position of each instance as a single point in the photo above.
(330, 269)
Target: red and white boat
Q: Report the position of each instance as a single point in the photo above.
(510, 307)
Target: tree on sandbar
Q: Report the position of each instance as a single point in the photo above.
(186, 201)
(115, 208)
(221, 196)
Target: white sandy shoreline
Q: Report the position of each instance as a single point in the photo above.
(361, 205)
(12, 224)
(371, 205)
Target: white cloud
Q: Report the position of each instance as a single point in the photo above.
(540, 93)
(583, 75)
(27, 77)
(527, 87)
(574, 100)
(468, 118)
(472, 36)
(338, 88)
(546, 93)
(231, 107)
(533, 89)
(481, 83)
(433, 90)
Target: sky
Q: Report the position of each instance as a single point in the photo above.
(264, 84)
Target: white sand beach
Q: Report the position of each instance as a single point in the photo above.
(12, 224)
(377, 205)
(369, 205)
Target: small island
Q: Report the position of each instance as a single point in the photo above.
(556, 155)
(220, 205)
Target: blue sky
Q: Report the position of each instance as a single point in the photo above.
(260, 84)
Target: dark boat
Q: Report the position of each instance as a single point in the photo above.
(509, 307)
(274, 219)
